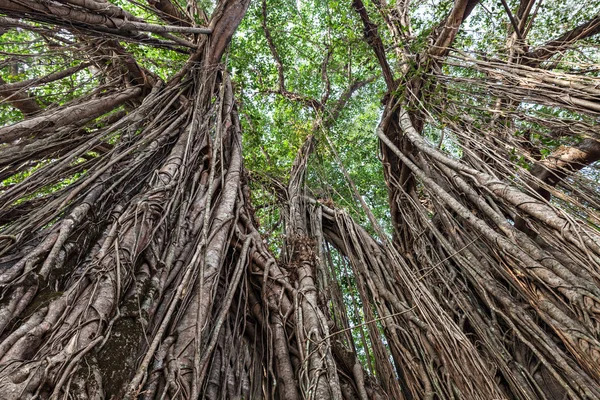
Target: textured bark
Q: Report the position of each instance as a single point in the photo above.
(544, 52)
(22, 101)
(146, 276)
(563, 162)
(77, 114)
(108, 19)
(10, 87)
(169, 12)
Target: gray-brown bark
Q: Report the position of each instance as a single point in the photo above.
(563, 162)
(22, 101)
(77, 114)
(111, 17)
(146, 276)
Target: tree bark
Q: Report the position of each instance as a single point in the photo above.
(76, 114)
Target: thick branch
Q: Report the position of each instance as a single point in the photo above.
(225, 20)
(373, 39)
(169, 12)
(561, 43)
(512, 20)
(98, 31)
(523, 12)
(553, 169)
(79, 114)
(104, 8)
(136, 75)
(7, 87)
(449, 27)
(21, 101)
(41, 11)
(344, 98)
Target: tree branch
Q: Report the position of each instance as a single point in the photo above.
(512, 20)
(305, 100)
(169, 12)
(564, 161)
(43, 80)
(273, 49)
(58, 12)
(449, 27)
(104, 8)
(225, 20)
(373, 39)
(75, 114)
(94, 24)
(344, 98)
(325, 75)
(561, 43)
(523, 12)
(23, 102)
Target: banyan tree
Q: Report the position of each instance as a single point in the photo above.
(299, 200)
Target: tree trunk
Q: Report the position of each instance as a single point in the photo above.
(132, 264)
